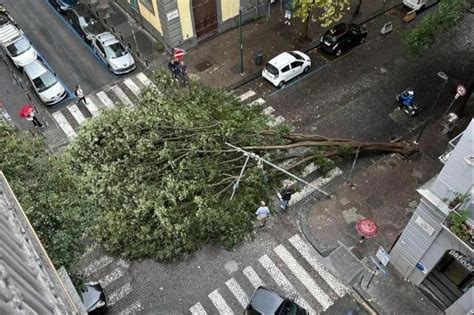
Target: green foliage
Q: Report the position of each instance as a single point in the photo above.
(159, 46)
(159, 175)
(46, 190)
(345, 150)
(325, 165)
(325, 11)
(448, 13)
(457, 224)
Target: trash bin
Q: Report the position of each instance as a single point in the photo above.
(259, 58)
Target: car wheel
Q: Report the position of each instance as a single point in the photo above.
(338, 53)
(281, 84)
(362, 40)
(306, 70)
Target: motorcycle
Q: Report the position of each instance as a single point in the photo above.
(406, 100)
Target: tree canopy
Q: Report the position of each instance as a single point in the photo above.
(325, 11)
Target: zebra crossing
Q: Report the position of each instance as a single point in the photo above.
(249, 97)
(293, 268)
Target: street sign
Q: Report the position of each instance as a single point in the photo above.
(383, 256)
(461, 90)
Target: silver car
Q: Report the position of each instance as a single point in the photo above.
(44, 83)
(113, 53)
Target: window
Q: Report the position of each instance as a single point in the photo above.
(149, 5)
(99, 45)
(285, 69)
(296, 64)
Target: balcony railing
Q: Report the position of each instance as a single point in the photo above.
(447, 152)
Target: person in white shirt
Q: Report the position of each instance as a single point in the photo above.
(262, 213)
(80, 95)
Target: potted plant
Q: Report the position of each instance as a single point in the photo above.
(458, 199)
(457, 224)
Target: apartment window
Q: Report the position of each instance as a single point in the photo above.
(148, 4)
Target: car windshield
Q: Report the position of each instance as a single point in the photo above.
(18, 47)
(45, 81)
(84, 20)
(338, 30)
(115, 50)
(297, 56)
(271, 69)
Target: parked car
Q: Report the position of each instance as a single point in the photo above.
(84, 22)
(63, 5)
(44, 83)
(285, 67)
(113, 53)
(93, 298)
(14, 42)
(418, 5)
(266, 302)
(342, 37)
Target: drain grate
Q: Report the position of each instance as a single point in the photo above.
(203, 65)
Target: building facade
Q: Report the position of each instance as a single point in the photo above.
(184, 23)
(435, 250)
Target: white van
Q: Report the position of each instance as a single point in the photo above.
(44, 83)
(16, 45)
(418, 5)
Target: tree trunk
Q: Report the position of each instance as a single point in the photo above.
(306, 26)
(357, 10)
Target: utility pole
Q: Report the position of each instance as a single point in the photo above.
(262, 160)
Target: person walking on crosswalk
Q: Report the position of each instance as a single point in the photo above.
(286, 196)
(80, 95)
(262, 213)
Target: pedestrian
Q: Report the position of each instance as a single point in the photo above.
(262, 213)
(36, 122)
(286, 193)
(182, 68)
(173, 67)
(287, 5)
(80, 95)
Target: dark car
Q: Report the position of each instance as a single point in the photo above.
(342, 37)
(84, 22)
(266, 302)
(63, 5)
(93, 298)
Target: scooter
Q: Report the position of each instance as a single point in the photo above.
(406, 100)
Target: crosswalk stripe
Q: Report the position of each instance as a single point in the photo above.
(238, 292)
(119, 294)
(144, 79)
(64, 124)
(321, 181)
(121, 95)
(132, 86)
(117, 273)
(308, 169)
(253, 277)
(105, 99)
(303, 276)
(220, 304)
(132, 309)
(259, 101)
(283, 282)
(247, 95)
(197, 309)
(91, 107)
(268, 110)
(98, 264)
(276, 121)
(310, 255)
(76, 113)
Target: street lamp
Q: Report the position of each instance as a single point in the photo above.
(445, 78)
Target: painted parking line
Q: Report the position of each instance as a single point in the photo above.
(197, 309)
(238, 292)
(64, 124)
(119, 294)
(105, 99)
(76, 113)
(132, 86)
(303, 276)
(220, 304)
(121, 95)
(310, 255)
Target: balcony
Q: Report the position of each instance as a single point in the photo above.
(459, 225)
(452, 144)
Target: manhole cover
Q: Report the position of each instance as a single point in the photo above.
(203, 65)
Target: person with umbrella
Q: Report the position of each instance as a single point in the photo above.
(28, 111)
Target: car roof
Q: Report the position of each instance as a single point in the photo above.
(107, 38)
(34, 69)
(282, 60)
(265, 301)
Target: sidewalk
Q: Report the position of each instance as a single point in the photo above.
(385, 192)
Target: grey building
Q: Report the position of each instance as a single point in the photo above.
(29, 283)
(435, 250)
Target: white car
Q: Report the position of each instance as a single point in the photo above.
(418, 5)
(16, 45)
(285, 67)
(113, 53)
(44, 83)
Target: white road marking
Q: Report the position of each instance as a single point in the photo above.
(303, 276)
(119, 294)
(98, 264)
(321, 181)
(247, 95)
(76, 113)
(144, 79)
(276, 121)
(284, 283)
(64, 124)
(268, 110)
(105, 99)
(259, 101)
(220, 304)
(132, 309)
(132, 86)
(117, 273)
(238, 292)
(308, 169)
(197, 309)
(253, 277)
(311, 257)
(121, 95)
(91, 107)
